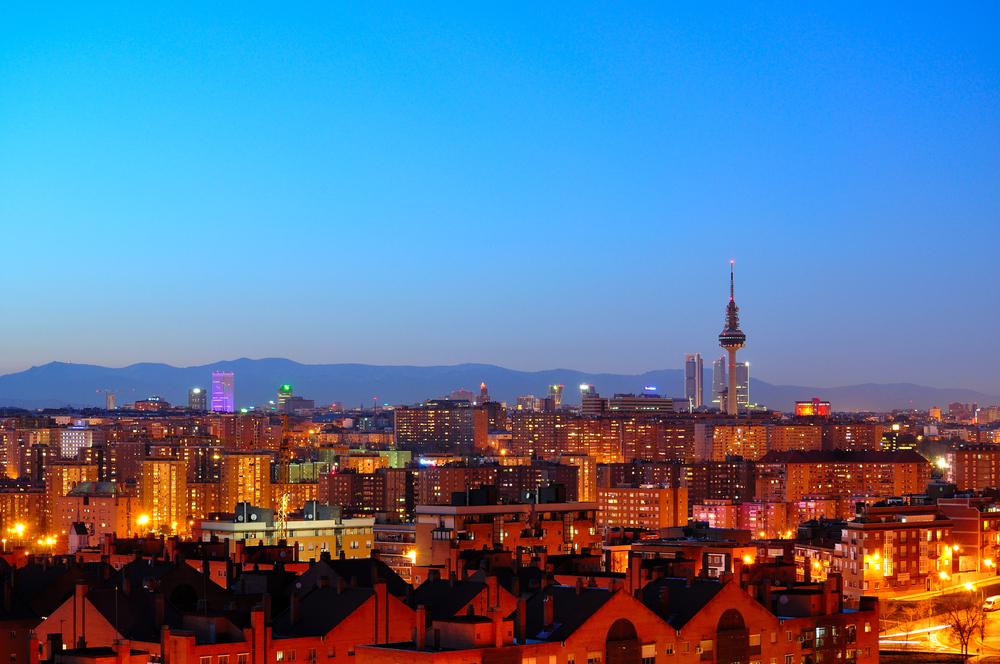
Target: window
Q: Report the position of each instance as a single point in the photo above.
(868, 627)
(685, 647)
(205, 660)
(649, 654)
(280, 655)
(331, 651)
(571, 658)
(223, 659)
(291, 655)
(788, 637)
(754, 640)
(669, 649)
(774, 639)
(594, 658)
(221, 573)
(868, 651)
(527, 660)
(243, 658)
(312, 654)
(354, 544)
(788, 659)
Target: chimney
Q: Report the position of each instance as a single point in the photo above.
(421, 628)
(354, 582)
(451, 578)
(127, 584)
(293, 610)
(689, 580)
(492, 597)
(33, 648)
(765, 598)
(374, 571)
(341, 585)
(437, 638)
(161, 610)
(664, 602)
(548, 613)
(343, 555)
(79, 613)
(267, 609)
(579, 585)
(381, 612)
(515, 587)
(453, 559)
(807, 574)
(323, 581)
(497, 628)
(522, 621)
(6, 597)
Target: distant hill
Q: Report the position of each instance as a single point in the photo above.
(59, 384)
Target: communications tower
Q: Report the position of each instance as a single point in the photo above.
(732, 339)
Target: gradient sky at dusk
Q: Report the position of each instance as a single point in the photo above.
(522, 185)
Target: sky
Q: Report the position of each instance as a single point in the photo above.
(536, 187)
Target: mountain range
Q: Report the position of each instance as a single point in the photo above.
(60, 384)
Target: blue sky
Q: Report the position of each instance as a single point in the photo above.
(533, 187)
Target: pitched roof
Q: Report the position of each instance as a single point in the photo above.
(320, 611)
(134, 615)
(570, 611)
(443, 600)
(19, 609)
(361, 569)
(683, 602)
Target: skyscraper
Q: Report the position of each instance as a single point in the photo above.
(285, 393)
(732, 339)
(743, 384)
(718, 381)
(693, 388)
(197, 399)
(555, 393)
(222, 392)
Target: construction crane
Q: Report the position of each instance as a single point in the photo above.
(284, 457)
(109, 397)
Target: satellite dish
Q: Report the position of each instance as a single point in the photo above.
(239, 517)
(253, 517)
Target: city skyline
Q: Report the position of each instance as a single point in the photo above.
(595, 168)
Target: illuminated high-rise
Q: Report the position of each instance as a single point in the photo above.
(732, 339)
(693, 388)
(196, 399)
(718, 382)
(555, 393)
(285, 394)
(743, 384)
(222, 392)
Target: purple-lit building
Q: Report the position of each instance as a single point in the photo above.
(222, 392)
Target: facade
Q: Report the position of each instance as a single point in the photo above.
(164, 496)
(76, 438)
(640, 404)
(976, 532)
(791, 476)
(894, 551)
(316, 530)
(223, 392)
(245, 478)
(976, 466)
(442, 425)
(101, 507)
(524, 529)
(647, 507)
(743, 384)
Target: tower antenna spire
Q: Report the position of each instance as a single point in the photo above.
(731, 279)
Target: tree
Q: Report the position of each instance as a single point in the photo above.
(966, 618)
